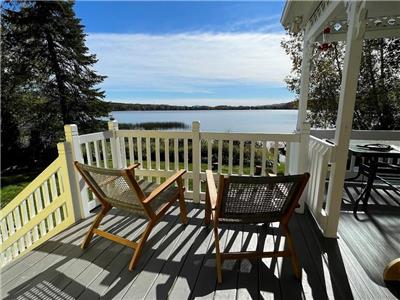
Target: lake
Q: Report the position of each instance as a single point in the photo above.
(265, 121)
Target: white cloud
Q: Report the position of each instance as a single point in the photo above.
(190, 62)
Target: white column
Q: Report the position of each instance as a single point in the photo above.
(302, 127)
(196, 162)
(302, 162)
(115, 145)
(356, 19)
(304, 81)
(81, 198)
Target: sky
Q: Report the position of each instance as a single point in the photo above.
(188, 53)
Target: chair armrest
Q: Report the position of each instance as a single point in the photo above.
(133, 166)
(162, 187)
(211, 188)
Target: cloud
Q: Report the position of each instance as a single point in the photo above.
(192, 63)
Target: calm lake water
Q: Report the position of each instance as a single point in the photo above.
(266, 121)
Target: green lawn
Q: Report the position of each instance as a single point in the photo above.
(12, 185)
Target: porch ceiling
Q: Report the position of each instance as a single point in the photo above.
(383, 18)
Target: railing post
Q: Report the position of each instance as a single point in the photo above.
(302, 159)
(69, 182)
(196, 160)
(115, 145)
(81, 199)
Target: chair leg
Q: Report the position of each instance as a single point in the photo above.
(293, 256)
(95, 224)
(142, 241)
(182, 204)
(207, 218)
(218, 255)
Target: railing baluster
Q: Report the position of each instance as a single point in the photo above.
(97, 153)
(276, 153)
(53, 187)
(25, 220)
(230, 171)
(186, 160)
(220, 145)
(176, 153)
(104, 151)
(287, 158)
(123, 151)
(39, 205)
(11, 230)
(88, 154)
(209, 154)
(148, 157)
(46, 195)
(32, 213)
(252, 152)
(166, 145)
(140, 152)
(158, 158)
(263, 158)
(241, 157)
(18, 225)
(131, 152)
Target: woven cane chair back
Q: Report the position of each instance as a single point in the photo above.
(257, 199)
(112, 186)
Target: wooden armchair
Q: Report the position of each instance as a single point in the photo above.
(253, 200)
(119, 188)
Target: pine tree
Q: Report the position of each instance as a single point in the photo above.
(47, 74)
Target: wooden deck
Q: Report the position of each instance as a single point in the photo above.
(178, 261)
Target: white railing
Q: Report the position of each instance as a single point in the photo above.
(256, 154)
(320, 156)
(391, 137)
(41, 210)
(160, 153)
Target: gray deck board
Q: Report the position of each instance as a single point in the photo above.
(178, 261)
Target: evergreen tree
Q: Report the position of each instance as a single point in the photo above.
(47, 75)
(378, 93)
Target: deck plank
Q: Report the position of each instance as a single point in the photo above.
(150, 272)
(125, 278)
(269, 271)
(168, 275)
(247, 287)
(187, 279)
(230, 268)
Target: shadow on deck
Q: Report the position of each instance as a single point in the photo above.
(178, 261)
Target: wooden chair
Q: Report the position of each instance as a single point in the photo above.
(119, 188)
(253, 200)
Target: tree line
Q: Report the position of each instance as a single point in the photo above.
(118, 106)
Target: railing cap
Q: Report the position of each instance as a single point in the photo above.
(70, 130)
(196, 126)
(113, 125)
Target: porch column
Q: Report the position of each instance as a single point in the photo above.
(304, 81)
(302, 127)
(356, 13)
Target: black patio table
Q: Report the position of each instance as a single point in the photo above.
(370, 166)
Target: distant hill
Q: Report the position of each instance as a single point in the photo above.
(117, 106)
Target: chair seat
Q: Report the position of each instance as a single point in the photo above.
(129, 201)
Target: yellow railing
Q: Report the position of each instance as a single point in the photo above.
(41, 210)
